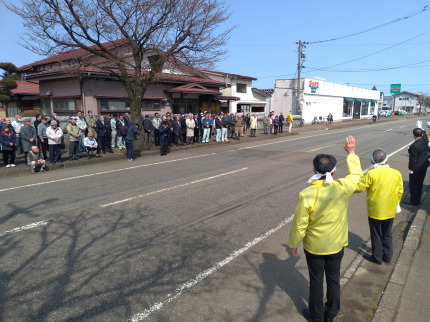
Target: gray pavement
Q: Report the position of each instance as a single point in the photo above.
(96, 262)
(406, 295)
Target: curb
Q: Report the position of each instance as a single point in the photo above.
(389, 302)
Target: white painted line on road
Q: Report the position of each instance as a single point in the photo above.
(105, 172)
(388, 130)
(402, 126)
(322, 147)
(181, 159)
(26, 227)
(203, 275)
(171, 188)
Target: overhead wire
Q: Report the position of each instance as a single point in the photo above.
(410, 15)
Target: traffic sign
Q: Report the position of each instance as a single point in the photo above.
(395, 88)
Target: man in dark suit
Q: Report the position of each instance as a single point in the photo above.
(418, 163)
(103, 138)
(177, 131)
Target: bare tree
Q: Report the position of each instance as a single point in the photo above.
(187, 30)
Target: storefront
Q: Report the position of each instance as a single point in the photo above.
(320, 98)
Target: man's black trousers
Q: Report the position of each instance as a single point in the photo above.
(318, 265)
(382, 239)
(416, 181)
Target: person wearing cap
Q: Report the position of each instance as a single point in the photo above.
(17, 125)
(28, 137)
(321, 223)
(74, 137)
(7, 146)
(43, 139)
(384, 187)
(90, 144)
(147, 128)
(35, 160)
(54, 134)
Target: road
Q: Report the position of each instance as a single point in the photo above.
(198, 235)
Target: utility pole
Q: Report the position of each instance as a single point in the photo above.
(300, 56)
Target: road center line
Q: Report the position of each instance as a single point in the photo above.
(182, 159)
(322, 147)
(26, 227)
(171, 188)
(205, 274)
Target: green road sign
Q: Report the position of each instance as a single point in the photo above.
(395, 88)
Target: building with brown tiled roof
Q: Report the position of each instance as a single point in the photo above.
(24, 100)
(76, 80)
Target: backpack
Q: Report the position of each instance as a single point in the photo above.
(124, 130)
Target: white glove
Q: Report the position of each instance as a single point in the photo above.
(410, 171)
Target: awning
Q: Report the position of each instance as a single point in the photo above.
(374, 101)
(350, 99)
(367, 100)
(359, 100)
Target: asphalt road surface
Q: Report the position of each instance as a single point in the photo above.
(198, 235)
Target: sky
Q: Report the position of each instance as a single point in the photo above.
(394, 50)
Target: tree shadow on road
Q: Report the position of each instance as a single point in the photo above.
(274, 273)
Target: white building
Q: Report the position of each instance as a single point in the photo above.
(406, 101)
(239, 95)
(319, 98)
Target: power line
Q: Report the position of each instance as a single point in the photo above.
(410, 15)
(371, 54)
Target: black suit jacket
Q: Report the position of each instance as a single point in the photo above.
(101, 128)
(418, 157)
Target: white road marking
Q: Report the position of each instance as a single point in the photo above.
(181, 159)
(402, 126)
(388, 130)
(26, 227)
(171, 188)
(188, 285)
(205, 274)
(322, 147)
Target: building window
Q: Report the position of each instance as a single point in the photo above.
(346, 108)
(257, 109)
(243, 108)
(241, 88)
(151, 105)
(114, 105)
(64, 104)
(365, 108)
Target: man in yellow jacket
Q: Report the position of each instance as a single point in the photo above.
(321, 222)
(290, 121)
(384, 187)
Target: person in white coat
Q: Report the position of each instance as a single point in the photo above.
(54, 134)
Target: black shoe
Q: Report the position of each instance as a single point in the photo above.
(307, 315)
(372, 259)
(410, 203)
(385, 260)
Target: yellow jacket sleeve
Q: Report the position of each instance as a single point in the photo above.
(300, 223)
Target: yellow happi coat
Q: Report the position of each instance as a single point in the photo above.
(384, 187)
(320, 219)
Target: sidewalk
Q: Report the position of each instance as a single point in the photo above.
(22, 169)
(406, 297)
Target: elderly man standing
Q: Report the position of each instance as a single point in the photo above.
(253, 124)
(43, 139)
(82, 124)
(321, 222)
(17, 125)
(418, 163)
(74, 137)
(384, 187)
(35, 160)
(54, 134)
(28, 138)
